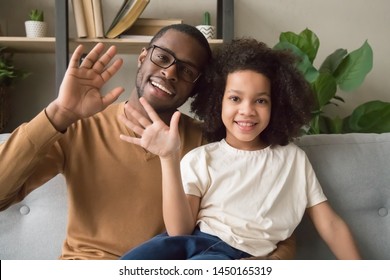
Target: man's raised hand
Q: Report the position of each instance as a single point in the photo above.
(80, 91)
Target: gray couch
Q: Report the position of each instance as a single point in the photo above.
(353, 170)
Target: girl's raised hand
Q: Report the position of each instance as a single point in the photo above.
(154, 135)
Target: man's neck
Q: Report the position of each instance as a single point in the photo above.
(134, 101)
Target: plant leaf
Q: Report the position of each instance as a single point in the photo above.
(325, 88)
(353, 69)
(304, 64)
(370, 117)
(307, 41)
(333, 61)
(313, 43)
(327, 125)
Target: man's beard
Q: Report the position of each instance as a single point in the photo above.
(158, 110)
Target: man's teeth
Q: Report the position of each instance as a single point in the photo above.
(162, 88)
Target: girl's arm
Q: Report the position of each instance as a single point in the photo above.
(179, 212)
(334, 231)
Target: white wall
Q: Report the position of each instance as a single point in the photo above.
(338, 24)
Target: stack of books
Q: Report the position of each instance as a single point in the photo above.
(88, 15)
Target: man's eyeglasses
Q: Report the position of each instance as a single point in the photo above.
(164, 59)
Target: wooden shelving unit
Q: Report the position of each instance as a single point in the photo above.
(62, 45)
(27, 45)
(48, 44)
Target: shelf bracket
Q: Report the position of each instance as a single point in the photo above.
(62, 46)
(225, 20)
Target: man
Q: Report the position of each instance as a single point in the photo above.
(114, 188)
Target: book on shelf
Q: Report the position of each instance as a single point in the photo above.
(79, 18)
(98, 18)
(89, 19)
(149, 26)
(126, 16)
(88, 16)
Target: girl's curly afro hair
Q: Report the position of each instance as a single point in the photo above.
(291, 96)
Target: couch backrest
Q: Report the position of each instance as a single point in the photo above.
(354, 172)
(352, 168)
(35, 228)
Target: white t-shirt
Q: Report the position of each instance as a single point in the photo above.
(250, 199)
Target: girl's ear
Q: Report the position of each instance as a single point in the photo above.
(142, 56)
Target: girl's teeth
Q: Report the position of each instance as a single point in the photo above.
(245, 124)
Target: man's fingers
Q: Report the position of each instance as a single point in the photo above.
(113, 95)
(75, 58)
(92, 56)
(110, 71)
(104, 60)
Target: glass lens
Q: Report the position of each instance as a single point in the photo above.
(164, 59)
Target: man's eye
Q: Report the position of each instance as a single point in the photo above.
(187, 71)
(162, 57)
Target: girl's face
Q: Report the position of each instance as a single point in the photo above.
(246, 109)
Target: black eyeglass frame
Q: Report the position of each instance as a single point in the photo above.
(175, 61)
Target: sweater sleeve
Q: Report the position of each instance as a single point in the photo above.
(28, 159)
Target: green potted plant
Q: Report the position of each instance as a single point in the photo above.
(8, 72)
(35, 25)
(339, 70)
(8, 75)
(206, 28)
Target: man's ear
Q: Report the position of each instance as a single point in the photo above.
(142, 56)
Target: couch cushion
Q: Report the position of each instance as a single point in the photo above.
(354, 172)
(35, 228)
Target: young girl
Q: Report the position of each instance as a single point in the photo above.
(238, 196)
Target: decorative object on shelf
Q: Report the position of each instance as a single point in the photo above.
(206, 28)
(36, 26)
(342, 70)
(149, 26)
(8, 75)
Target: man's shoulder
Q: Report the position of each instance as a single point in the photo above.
(190, 125)
(190, 133)
(190, 120)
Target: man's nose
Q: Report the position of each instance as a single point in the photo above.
(171, 73)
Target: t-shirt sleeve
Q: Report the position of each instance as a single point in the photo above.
(315, 194)
(194, 172)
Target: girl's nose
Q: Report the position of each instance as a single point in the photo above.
(246, 108)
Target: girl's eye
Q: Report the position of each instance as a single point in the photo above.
(262, 101)
(234, 98)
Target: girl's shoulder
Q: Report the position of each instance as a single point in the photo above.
(203, 151)
(290, 149)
